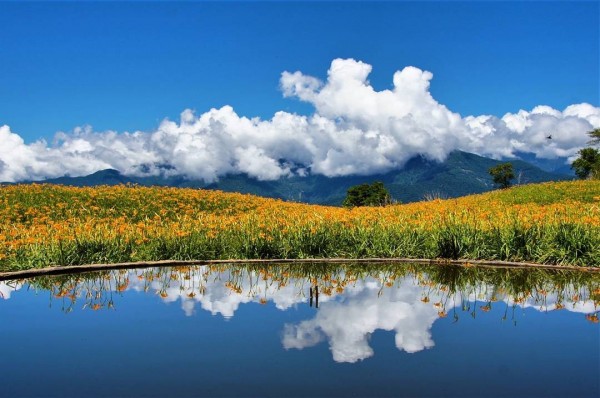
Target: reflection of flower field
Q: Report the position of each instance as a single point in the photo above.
(555, 223)
(476, 288)
(354, 300)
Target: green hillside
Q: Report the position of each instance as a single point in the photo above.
(460, 174)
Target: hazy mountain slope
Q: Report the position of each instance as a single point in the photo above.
(460, 174)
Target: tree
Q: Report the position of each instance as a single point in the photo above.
(502, 174)
(595, 134)
(367, 195)
(588, 163)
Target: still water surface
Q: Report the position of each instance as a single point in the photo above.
(302, 330)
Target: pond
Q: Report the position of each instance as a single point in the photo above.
(302, 330)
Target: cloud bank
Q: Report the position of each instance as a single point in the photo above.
(354, 130)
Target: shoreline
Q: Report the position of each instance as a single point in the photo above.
(73, 269)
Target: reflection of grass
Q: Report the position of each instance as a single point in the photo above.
(441, 285)
(40, 225)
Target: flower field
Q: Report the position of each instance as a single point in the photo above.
(41, 225)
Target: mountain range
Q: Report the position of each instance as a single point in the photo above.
(460, 174)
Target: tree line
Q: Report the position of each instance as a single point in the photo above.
(587, 165)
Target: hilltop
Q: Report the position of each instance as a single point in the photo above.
(460, 174)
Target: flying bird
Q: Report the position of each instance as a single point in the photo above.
(549, 137)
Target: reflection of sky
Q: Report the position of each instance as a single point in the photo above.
(144, 345)
(347, 323)
(344, 320)
(218, 299)
(6, 288)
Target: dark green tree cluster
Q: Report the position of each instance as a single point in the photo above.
(502, 174)
(367, 195)
(587, 165)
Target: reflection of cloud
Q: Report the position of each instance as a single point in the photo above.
(347, 324)
(217, 298)
(576, 302)
(6, 288)
(345, 319)
(551, 303)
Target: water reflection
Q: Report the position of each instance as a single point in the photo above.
(347, 323)
(351, 301)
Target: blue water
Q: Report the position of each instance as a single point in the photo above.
(266, 340)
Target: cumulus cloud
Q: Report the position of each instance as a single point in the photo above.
(528, 132)
(354, 130)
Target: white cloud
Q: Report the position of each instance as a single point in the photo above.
(354, 130)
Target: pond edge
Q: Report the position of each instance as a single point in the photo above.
(72, 269)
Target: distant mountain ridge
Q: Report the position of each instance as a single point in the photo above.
(460, 174)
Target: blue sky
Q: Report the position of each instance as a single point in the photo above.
(128, 66)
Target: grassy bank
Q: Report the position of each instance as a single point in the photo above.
(41, 225)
